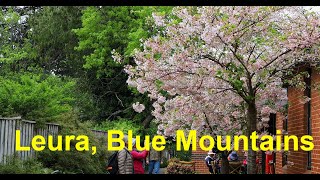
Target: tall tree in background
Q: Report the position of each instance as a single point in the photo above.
(76, 42)
(41, 79)
(25, 90)
(54, 41)
(208, 60)
(103, 30)
(15, 47)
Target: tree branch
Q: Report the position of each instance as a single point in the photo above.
(224, 90)
(117, 112)
(119, 99)
(146, 121)
(251, 51)
(234, 53)
(273, 60)
(241, 94)
(207, 121)
(214, 60)
(173, 72)
(274, 72)
(251, 24)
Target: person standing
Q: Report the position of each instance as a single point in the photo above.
(154, 160)
(138, 158)
(210, 161)
(269, 163)
(125, 160)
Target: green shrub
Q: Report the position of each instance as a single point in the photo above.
(35, 97)
(165, 163)
(182, 155)
(151, 130)
(74, 161)
(15, 165)
(121, 124)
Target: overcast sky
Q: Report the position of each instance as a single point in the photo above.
(314, 8)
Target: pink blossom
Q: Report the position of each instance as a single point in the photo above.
(161, 99)
(265, 119)
(116, 56)
(138, 107)
(195, 52)
(159, 21)
(131, 83)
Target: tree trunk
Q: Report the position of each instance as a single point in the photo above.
(146, 122)
(252, 126)
(224, 163)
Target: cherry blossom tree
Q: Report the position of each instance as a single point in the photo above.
(220, 70)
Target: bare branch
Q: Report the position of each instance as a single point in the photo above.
(119, 99)
(117, 112)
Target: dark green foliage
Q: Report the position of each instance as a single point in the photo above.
(74, 161)
(114, 28)
(15, 165)
(181, 155)
(165, 163)
(53, 40)
(184, 155)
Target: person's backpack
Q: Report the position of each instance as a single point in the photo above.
(112, 166)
